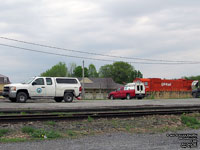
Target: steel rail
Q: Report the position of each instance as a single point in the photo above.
(97, 114)
(100, 109)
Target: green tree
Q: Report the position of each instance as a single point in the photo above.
(105, 71)
(78, 72)
(193, 78)
(59, 70)
(92, 72)
(121, 72)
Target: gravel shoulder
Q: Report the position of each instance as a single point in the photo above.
(110, 141)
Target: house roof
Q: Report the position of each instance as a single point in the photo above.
(99, 83)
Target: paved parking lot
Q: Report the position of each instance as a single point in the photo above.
(84, 104)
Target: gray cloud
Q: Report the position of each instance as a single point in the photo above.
(155, 29)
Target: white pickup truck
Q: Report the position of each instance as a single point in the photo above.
(58, 88)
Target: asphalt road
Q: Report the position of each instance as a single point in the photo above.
(114, 141)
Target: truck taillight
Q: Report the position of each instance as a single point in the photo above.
(80, 89)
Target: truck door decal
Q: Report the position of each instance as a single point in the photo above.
(39, 90)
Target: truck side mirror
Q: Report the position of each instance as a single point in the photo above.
(34, 83)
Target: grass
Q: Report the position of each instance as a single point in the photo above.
(190, 121)
(90, 119)
(128, 127)
(28, 130)
(23, 113)
(3, 132)
(51, 123)
(40, 133)
(6, 140)
(71, 133)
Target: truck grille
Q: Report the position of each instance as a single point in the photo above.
(6, 89)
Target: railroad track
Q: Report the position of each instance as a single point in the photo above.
(95, 113)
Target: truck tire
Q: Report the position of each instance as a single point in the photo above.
(58, 99)
(68, 97)
(128, 96)
(22, 97)
(12, 99)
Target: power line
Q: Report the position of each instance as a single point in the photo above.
(80, 57)
(90, 53)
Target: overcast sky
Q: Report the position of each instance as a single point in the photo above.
(152, 29)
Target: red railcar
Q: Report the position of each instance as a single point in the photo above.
(157, 84)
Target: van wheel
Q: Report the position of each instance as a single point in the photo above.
(68, 97)
(58, 99)
(12, 99)
(21, 97)
(128, 96)
(112, 97)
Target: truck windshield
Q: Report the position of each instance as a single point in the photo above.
(28, 81)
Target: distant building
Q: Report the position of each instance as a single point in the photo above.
(3, 80)
(98, 88)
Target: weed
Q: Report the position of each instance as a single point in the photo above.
(191, 122)
(90, 119)
(114, 123)
(53, 134)
(6, 140)
(28, 129)
(1, 113)
(23, 113)
(41, 133)
(71, 133)
(52, 123)
(3, 132)
(165, 129)
(128, 128)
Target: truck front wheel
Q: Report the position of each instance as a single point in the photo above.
(68, 97)
(21, 97)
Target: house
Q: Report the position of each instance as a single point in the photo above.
(98, 88)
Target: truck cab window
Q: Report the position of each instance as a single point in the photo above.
(49, 81)
(39, 81)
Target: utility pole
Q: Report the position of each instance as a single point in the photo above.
(83, 84)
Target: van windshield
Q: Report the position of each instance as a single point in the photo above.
(28, 81)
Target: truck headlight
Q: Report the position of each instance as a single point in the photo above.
(13, 88)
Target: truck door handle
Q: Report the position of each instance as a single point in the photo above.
(43, 87)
